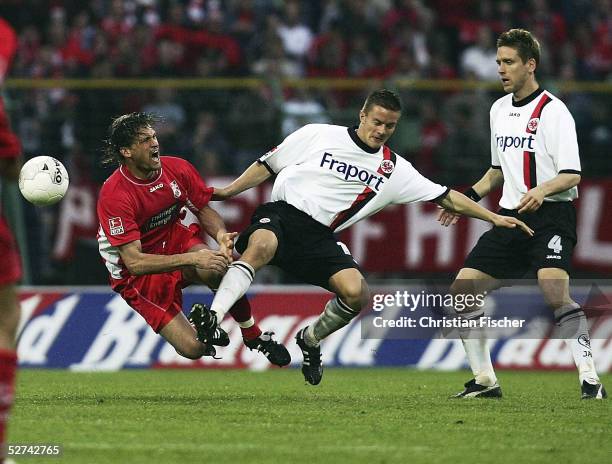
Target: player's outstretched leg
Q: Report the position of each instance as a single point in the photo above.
(352, 295)
(276, 352)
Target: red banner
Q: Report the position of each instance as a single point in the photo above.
(399, 238)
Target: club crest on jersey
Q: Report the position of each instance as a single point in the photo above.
(116, 226)
(533, 123)
(175, 189)
(264, 220)
(387, 166)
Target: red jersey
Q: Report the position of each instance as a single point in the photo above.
(132, 209)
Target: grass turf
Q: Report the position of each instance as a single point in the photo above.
(355, 415)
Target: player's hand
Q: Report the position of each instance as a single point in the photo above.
(447, 218)
(531, 201)
(226, 243)
(511, 223)
(220, 194)
(211, 260)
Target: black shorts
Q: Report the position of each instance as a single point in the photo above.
(306, 248)
(511, 254)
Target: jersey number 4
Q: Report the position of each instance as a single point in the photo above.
(555, 244)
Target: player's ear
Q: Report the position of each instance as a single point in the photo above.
(532, 65)
(125, 152)
(362, 115)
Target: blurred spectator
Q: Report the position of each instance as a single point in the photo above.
(478, 60)
(173, 115)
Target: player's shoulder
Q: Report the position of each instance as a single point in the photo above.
(114, 187)
(500, 102)
(555, 104)
(174, 161)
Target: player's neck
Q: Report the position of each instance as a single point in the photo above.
(139, 173)
(529, 87)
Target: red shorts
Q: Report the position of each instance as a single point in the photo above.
(158, 298)
(11, 261)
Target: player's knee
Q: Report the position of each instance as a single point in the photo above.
(462, 287)
(263, 245)
(355, 294)
(190, 349)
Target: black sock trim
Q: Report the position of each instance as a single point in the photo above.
(245, 268)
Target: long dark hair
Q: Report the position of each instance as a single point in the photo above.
(122, 133)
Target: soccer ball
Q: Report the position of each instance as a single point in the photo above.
(43, 180)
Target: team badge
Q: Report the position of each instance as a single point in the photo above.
(387, 166)
(532, 125)
(116, 226)
(264, 220)
(175, 189)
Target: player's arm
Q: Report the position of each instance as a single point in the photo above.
(214, 226)
(254, 175)
(491, 180)
(459, 203)
(139, 263)
(534, 198)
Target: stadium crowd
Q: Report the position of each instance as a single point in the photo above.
(221, 130)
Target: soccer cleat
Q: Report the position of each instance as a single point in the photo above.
(592, 391)
(275, 352)
(475, 390)
(205, 322)
(312, 367)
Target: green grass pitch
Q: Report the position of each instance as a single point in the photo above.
(355, 416)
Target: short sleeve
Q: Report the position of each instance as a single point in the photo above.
(198, 193)
(560, 138)
(117, 219)
(413, 186)
(291, 151)
(494, 156)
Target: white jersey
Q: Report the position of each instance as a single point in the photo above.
(533, 141)
(327, 172)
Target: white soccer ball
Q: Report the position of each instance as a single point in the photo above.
(43, 180)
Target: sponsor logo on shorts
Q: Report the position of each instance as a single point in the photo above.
(387, 166)
(553, 257)
(264, 220)
(116, 226)
(175, 189)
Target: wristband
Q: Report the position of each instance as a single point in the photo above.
(472, 195)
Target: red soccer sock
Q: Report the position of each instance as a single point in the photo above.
(8, 366)
(241, 312)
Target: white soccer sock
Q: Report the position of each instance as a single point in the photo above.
(233, 286)
(573, 327)
(477, 351)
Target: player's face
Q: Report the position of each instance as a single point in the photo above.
(377, 126)
(142, 157)
(513, 73)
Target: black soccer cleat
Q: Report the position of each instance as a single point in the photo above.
(312, 367)
(475, 390)
(275, 352)
(592, 391)
(205, 322)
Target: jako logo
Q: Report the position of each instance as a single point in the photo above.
(507, 141)
(157, 187)
(350, 172)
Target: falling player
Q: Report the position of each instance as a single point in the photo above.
(534, 153)
(328, 178)
(152, 252)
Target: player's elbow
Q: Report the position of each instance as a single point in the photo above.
(134, 267)
(574, 180)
